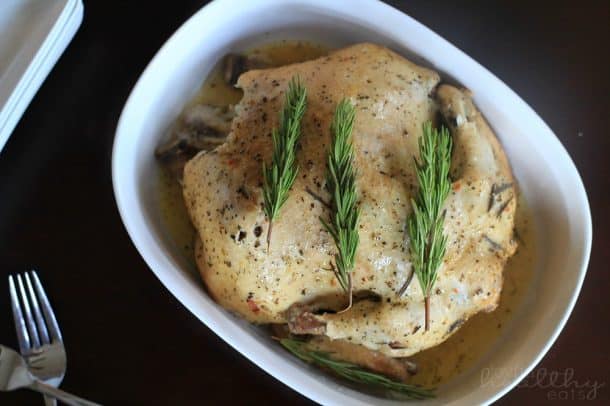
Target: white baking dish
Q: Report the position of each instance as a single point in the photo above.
(544, 170)
(33, 35)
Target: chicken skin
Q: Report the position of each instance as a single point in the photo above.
(294, 283)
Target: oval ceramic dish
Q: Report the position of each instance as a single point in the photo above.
(547, 177)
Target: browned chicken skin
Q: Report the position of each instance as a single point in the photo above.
(293, 283)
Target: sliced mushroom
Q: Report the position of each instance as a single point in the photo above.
(235, 64)
(201, 127)
(204, 127)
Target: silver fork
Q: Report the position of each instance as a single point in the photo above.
(40, 341)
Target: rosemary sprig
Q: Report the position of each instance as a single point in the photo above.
(341, 183)
(279, 177)
(353, 372)
(425, 225)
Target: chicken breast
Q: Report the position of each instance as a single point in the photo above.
(293, 282)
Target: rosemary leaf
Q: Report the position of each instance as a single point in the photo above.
(279, 177)
(341, 183)
(425, 224)
(353, 372)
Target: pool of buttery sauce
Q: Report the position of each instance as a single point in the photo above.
(437, 365)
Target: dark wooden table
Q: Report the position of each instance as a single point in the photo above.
(129, 341)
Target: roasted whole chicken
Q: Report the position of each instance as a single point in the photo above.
(293, 284)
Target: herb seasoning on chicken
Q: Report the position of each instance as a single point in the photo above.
(294, 283)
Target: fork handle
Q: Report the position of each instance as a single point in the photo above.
(59, 394)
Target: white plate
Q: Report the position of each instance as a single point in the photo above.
(33, 34)
(545, 172)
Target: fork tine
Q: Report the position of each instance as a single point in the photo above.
(22, 331)
(47, 310)
(42, 329)
(29, 320)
